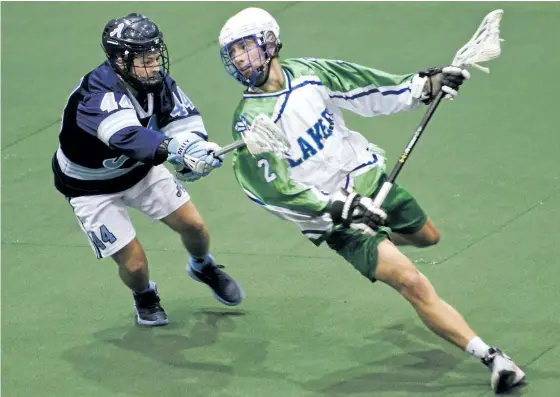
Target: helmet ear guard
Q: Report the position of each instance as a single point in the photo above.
(271, 47)
(272, 43)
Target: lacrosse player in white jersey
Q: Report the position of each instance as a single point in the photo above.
(326, 184)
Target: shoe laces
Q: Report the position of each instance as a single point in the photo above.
(489, 358)
(213, 272)
(148, 300)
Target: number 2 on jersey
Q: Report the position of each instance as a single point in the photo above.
(268, 176)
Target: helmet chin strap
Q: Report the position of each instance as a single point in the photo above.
(263, 78)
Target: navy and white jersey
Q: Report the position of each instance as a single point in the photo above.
(109, 137)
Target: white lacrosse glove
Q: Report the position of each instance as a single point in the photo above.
(426, 84)
(193, 157)
(351, 210)
(185, 174)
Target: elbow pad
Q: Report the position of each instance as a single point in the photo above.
(161, 152)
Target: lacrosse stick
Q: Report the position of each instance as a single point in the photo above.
(264, 136)
(483, 46)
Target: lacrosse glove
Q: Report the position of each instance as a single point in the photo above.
(351, 210)
(447, 79)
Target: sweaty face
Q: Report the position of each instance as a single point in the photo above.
(147, 65)
(246, 55)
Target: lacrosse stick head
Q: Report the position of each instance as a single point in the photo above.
(264, 136)
(484, 45)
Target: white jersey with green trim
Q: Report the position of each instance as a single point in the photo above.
(325, 154)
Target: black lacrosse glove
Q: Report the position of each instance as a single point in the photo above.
(447, 79)
(350, 210)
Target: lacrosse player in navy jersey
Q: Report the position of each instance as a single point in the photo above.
(121, 123)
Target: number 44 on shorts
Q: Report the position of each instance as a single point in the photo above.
(106, 237)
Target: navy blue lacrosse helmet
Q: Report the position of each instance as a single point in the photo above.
(135, 36)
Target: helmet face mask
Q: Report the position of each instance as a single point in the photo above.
(135, 48)
(146, 71)
(248, 59)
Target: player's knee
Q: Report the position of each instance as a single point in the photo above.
(132, 257)
(131, 263)
(195, 227)
(427, 239)
(135, 265)
(430, 240)
(434, 237)
(415, 287)
(429, 235)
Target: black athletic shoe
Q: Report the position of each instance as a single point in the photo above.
(225, 289)
(148, 310)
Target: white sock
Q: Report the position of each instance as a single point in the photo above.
(199, 263)
(477, 348)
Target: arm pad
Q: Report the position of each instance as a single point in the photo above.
(161, 152)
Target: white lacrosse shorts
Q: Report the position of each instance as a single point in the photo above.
(104, 218)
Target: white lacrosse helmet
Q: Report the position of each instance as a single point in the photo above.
(260, 27)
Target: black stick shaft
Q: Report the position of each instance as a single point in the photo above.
(421, 127)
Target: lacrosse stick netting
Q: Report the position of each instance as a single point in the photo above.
(484, 45)
(263, 136)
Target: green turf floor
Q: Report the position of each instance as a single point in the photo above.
(486, 171)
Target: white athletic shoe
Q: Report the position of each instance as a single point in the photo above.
(505, 374)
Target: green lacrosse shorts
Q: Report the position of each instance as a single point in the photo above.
(404, 215)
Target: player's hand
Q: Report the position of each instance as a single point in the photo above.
(447, 79)
(193, 153)
(356, 212)
(202, 159)
(185, 174)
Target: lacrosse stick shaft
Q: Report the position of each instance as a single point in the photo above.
(483, 46)
(230, 148)
(388, 184)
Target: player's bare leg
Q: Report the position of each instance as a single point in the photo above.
(425, 237)
(186, 221)
(396, 270)
(133, 266)
(133, 271)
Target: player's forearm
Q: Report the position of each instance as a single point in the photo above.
(178, 126)
(378, 100)
(141, 144)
